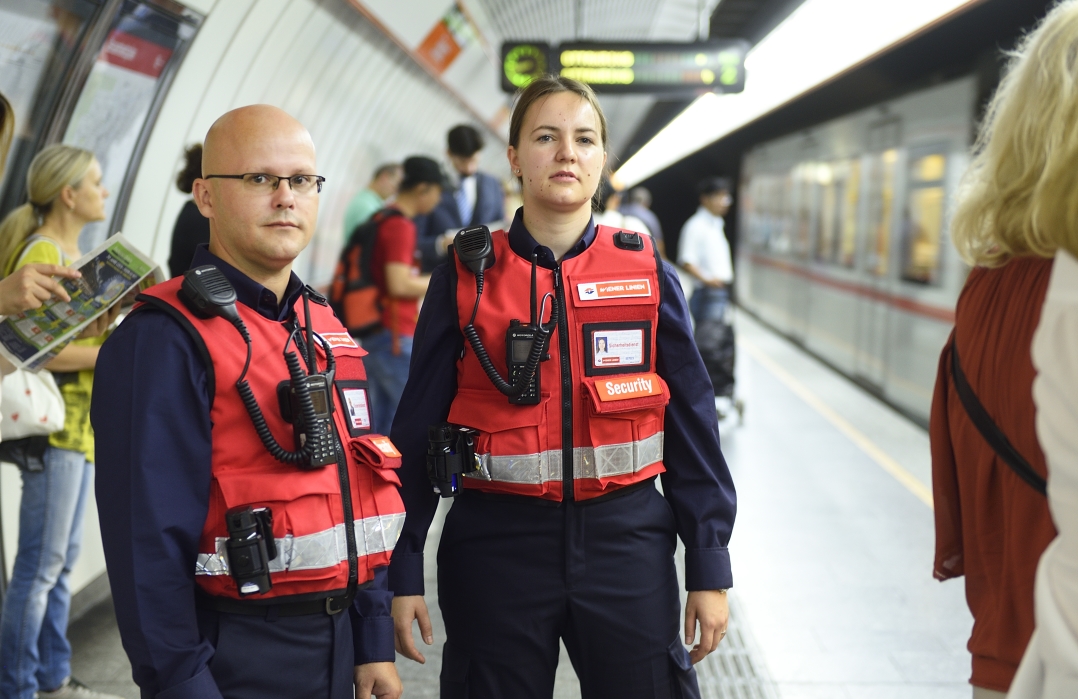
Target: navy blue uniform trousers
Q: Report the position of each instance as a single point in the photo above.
(516, 574)
(299, 657)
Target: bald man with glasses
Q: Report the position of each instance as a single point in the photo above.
(159, 478)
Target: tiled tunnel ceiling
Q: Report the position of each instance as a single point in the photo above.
(558, 21)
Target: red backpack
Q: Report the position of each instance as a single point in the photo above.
(354, 296)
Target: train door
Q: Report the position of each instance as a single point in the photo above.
(873, 310)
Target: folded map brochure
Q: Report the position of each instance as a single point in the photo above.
(112, 272)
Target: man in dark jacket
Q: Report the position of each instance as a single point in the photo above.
(476, 198)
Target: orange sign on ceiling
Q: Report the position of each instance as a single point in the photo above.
(440, 48)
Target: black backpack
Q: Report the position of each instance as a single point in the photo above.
(353, 295)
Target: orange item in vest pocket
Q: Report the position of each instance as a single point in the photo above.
(380, 454)
(626, 394)
(628, 387)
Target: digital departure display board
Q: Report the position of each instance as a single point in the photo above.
(631, 67)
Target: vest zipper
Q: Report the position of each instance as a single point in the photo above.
(566, 390)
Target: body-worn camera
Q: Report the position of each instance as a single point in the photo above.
(319, 435)
(450, 457)
(250, 548)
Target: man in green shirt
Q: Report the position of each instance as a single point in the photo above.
(367, 202)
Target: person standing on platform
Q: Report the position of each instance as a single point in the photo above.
(561, 532)
(395, 269)
(1016, 210)
(192, 228)
(65, 193)
(367, 202)
(704, 252)
(639, 205)
(247, 511)
(476, 199)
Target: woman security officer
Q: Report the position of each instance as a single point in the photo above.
(561, 532)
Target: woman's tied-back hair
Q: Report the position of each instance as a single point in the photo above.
(1020, 193)
(7, 130)
(192, 168)
(54, 168)
(549, 85)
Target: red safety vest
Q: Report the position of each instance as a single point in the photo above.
(309, 522)
(602, 402)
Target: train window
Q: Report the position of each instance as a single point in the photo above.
(805, 208)
(848, 240)
(839, 183)
(827, 235)
(881, 196)
(923, 219)
(39, 42)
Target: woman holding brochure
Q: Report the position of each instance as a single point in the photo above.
(64, 193)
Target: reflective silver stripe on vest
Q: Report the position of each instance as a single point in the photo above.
(588, 462)
(322, 549)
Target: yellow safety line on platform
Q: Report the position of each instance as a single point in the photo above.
(859, 438)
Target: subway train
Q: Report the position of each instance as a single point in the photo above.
(843, 238)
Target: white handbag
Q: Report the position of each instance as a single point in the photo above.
(30, 405)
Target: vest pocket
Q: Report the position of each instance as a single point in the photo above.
(309, 541)
(513, 446)
(626, 433)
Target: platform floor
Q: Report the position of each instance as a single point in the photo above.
(832, 553)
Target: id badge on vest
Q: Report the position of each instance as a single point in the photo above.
(355, 399)
(617, 348)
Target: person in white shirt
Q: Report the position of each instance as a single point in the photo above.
(704, 252)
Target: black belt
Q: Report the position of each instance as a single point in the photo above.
(542, 502)
(323, 605)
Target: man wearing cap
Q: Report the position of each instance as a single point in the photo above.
(395, 269)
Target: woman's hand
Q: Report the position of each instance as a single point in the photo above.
(31, 285)
(710, 608)
(406, 610)
(99, 325)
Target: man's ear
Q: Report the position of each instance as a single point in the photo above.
(200, 192)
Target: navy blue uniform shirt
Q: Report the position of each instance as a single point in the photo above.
(151, 418)
(697, 482)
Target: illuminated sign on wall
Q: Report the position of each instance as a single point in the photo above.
(523, 62)
(631, 67)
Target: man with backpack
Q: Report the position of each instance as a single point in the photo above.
(378, 285)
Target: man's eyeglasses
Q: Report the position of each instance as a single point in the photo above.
(262, 183)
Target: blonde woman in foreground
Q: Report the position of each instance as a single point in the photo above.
(992, 518)
(1046, 84)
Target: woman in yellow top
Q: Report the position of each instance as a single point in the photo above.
(65, 193)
